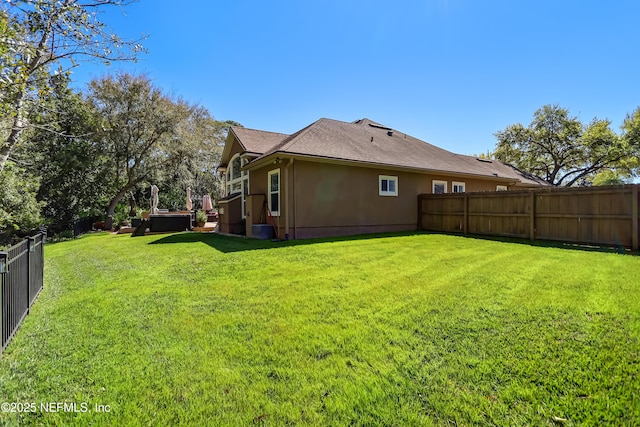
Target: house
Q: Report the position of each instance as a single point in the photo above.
(336, 178)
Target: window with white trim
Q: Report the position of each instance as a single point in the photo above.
(236, 163)
(387, 185)
(439, 187)
(244, 162)
(501, 188)
(457, 187)
(274, 192)
(238, 180)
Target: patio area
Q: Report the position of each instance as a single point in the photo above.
(168, 222)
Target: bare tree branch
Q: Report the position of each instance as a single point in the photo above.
(42, 33)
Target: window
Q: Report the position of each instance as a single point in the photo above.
(387, 185)
(457, 187)
(244, 162)
(274, 192)
(501, 188)
(238, 181)
(235, 168)
(439, 187)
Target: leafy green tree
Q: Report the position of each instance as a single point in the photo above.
(145, 135)
(630, 166)
(40, 35)
(61, 150)
(562, 150)
(198, 171)
(5, 34)
(19, 210)
(608, 177)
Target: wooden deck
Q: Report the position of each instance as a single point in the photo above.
(209, 227)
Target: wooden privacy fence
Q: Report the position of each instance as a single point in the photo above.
(589, 215)
(21, 277)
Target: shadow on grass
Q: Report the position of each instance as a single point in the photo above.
(227, 244)
(89, 235)
(618, 249)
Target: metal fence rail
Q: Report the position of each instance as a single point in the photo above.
(591, 215)
(21, 277)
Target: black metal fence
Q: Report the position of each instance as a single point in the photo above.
(21, 277)
(82, 226)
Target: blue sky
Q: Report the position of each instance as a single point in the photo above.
(450, 72)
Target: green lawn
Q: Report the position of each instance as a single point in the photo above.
(421, 329)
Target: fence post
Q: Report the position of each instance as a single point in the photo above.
(4, 267)
(4, 262)
(634, 218)
(31, 247)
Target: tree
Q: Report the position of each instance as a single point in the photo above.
(145, 135)
(631, 138)
(63, 153)
(607, 177)
(563, 151)
(5, 34)
(40, 34)
(19, 209)
(199, 171)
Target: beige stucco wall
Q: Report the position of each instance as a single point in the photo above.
(235, 148)
(255, 204)
(336, 199)
(259, 185)
(230, 215)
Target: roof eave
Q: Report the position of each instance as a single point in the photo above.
(270, 158)
(227, 145)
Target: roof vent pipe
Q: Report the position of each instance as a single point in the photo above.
(390, 133)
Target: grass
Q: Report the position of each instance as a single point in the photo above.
(194, 329)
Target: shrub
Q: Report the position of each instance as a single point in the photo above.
(62, 236)
(201, 217)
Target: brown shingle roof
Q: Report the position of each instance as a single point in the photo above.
(257, 141)
(370, 142)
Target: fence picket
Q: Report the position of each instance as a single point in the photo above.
(593, 215)
(21, 282)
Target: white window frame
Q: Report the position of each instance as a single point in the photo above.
(501, 188)
(455, 184)
(269, 192)
(387, 192)
(238, 181)
(438, 182)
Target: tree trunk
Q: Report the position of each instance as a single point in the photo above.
(16, 130)
(111, 209)
(4, 156)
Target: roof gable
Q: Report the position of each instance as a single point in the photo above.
(250, 141)
(258, 141)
